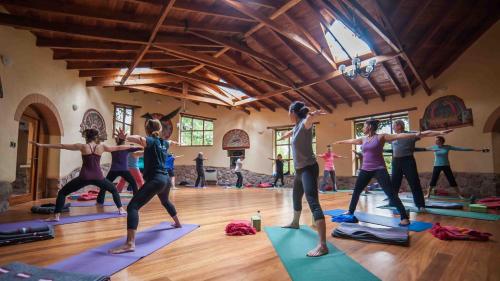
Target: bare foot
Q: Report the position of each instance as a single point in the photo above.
(405, 222)
(122, 211)
(100, 205)
(292, 225)
(126, 248)
(422, 209)
(176, 225)
(319, 251)
(52, 219)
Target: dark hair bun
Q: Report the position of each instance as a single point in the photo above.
(299, 108)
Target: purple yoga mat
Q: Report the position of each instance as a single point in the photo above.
(63, 220)
(93, 203)
(97, 261)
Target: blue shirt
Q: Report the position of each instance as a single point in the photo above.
(441, 153)
(155, 156)
(169, 164)
(133, 162)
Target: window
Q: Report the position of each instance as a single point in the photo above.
(345, 43)
(385, 127)
(232, 92)
(196, 131)
(124, 118)
(284, 147)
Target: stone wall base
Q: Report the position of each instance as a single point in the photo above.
(5, 192)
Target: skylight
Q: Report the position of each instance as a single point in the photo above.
(233, 92)
(351, 43)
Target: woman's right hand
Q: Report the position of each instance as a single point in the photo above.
(34, 143)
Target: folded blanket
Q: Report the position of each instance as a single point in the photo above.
(392, 235)
(345, 218)
(240, 228)
(490, 202)
(49, 208)
(265, 185)
(458, 233)
(25, 235)
(21, 271)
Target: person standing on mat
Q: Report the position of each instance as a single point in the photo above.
(404, 164)
(170, 165)
(278, 162)
(442, 163)
(90, 172)
(200, 170)
(157, 181)
(372, 145)
(119, 168)
(133, 168)
(329, 169)
(306, 171)
(237, 170)
(359, 156)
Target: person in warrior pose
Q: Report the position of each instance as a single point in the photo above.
(133, 168)
(329, 169)
(306, 172)
(237, 169)
(442, 163)
(90, 172)
(279, 169)
(170, 165)
(200, 170)
(157, 181)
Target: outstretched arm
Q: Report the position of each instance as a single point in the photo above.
(350, 141)
(393, 137)
(285, 135)
(173, 142)
(74, 146)
(430, 133)
(112, 148)
(338, 156)
(459, 148)
(179, 156)
(311, 117)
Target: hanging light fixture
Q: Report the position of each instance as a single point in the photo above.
(357, 70)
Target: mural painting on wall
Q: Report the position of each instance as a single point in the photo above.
(446, 112)
(167, 127)
(92, 119)
(235, 139)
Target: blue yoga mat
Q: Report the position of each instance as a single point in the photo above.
(416, 226)
(292, 246)
(98, 261)
(93, 203)
(450, 213)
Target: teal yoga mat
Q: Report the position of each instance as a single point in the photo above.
(292, 246)
(450, 213)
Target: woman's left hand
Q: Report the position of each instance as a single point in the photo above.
(120, 133)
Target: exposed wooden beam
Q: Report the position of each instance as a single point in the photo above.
(109, 56)
(152, 36)
(118, 72)
(120, 65)
(238, 47)
(414, 18)
(213, 92)
(164, 92)
(214, 10)
(100, 81)
(208, 60)
(200, 79)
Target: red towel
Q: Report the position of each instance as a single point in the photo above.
(458, 233)
(240, 228)
(490, 202)
(88, 196)
(265, 185)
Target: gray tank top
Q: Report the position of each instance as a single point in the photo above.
(302, 149)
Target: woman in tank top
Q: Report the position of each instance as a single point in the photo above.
(306, 172)
(157, 181)
(90, 173)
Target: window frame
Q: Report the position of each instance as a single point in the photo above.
(200, 118)
(125, 107)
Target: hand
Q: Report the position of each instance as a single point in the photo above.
(446, 131)
(34, 143)
(120, 133)
(317, 112)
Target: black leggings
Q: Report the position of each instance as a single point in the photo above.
(279, 176)
(78, 183)
(447, 172)
(407, 166)
(112, 175)
(306, 181)
(200, 178)
(239, 181)
(324, 182)
(158, 184)
(384, 180)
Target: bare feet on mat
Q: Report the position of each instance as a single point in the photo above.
(319, 251)
(122, 211)
(126, 248)
(56, 217)
(422, 210)
(405, 222)
(176, 225)
(292, 225)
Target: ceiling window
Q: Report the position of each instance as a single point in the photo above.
(232, 92)
(352, 44)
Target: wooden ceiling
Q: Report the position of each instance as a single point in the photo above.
(274, 51)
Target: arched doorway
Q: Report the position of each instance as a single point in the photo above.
(492, 126)
(37, 170)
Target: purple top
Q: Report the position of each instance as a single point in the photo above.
(373, 158)
(119, 159)
(91, 167)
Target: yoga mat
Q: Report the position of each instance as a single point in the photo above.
(126, 195)
(292, 246)
(416, 226)
(440, 197)
(63, 220)
(451, 213)
(21, 271)
(93, 203)
(97, 261)
(438, 204)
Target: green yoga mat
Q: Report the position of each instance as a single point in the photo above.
(292, 246)
(450, 213)
(125, 195)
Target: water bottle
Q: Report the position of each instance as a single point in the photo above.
(257, 221)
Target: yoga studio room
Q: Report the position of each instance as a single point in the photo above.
(252, 140)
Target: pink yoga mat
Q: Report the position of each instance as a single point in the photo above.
(97, 261)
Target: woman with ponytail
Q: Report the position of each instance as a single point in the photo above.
(156, 177)
(306, 172)
(90, 173)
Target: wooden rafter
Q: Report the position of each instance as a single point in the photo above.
(168, 93)
(117, 72)
(119, 65)
(414, 18)
(107, 81)
(215, 10)
(110, 56)
(199, 79)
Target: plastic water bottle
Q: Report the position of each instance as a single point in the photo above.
(257, 221)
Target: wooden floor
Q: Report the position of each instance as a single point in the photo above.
(208, 254)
